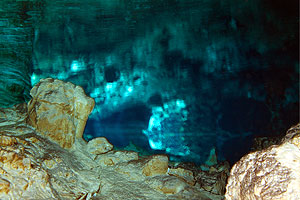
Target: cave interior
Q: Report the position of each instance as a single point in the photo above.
(180, 77)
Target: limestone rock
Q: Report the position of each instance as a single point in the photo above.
(59, 110)
(99, 145)
(116, 157)
(18, 177)
(140, 169)
(156, 165)
(273, 173)
(33, 166)
(184, 174)
(166, 184)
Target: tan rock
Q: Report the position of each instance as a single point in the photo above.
(7, 140)
(156, 165)
(273, 173)
(116, 157)
(131, 170)
(99, 145)
(166, 184)
(34, 167)
(184, 174)
(59, 110)
(138, 170)
(18, 179)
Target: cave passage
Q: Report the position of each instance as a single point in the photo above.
(182, 77)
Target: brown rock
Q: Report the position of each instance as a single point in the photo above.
(184, 174)
(156, 165)
(166, 184)
(99, 145)
(138, 170)
(273, 173)
(116, 157)
(34, 167)
(7, 141)
(59, 110)
(220, 186)
(19, 179)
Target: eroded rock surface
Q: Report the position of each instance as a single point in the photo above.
(273, 173)
(35, 165)
(59, 110)
(99, 145)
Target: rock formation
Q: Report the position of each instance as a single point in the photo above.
(272, 173)
(43, 156)
(59, 110)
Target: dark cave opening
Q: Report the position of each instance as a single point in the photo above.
(122, 127)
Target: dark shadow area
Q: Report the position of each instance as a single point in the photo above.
(122, 127)
(242, 115)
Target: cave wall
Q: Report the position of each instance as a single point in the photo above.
(210, 74)
(17, 22)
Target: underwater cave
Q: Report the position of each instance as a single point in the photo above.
(181, 77)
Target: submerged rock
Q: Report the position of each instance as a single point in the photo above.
(99, 145)
(184, 174)
(156, 165)
(41, 159)
(273, 173)
(59, 110)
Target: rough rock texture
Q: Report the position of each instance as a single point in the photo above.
(99, 145)
(157, 165)
(34, 166)
(273, 173)
(214, 179)
(184, 174)
(59, 110)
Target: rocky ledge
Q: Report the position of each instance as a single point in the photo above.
(43, 156)
(272, 173)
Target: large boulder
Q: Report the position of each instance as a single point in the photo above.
(59, 110)
(272, 173)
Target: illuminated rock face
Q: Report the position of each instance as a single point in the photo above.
(99, 145)
(273, 173)
(157, 165)
(59, 110)
(33, 166)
